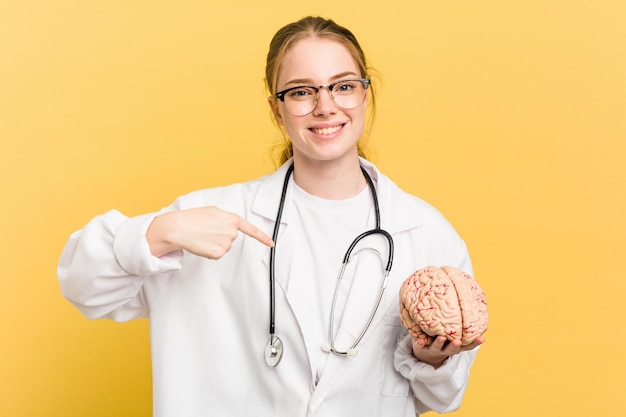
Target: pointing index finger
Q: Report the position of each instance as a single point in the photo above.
(254, 232)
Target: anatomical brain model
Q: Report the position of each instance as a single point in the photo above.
(443, 302)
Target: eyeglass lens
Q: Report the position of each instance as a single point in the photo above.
(347, 94)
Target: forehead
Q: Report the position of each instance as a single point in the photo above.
(316, 60)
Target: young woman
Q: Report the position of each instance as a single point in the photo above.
(295, 324)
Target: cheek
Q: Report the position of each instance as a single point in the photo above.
(291, 124)
(291, 129)
(359, 119)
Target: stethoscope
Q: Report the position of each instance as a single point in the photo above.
(274, 349)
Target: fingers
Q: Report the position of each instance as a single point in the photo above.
(439, 343)
(436, 352)
(479, 341)
(433, 354)
(254, 232)
(209, 231)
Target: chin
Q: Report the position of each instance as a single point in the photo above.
(327, 157)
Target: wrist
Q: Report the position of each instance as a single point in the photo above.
(161, 234)
(434, 364)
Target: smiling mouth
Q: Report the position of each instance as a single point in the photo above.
(327, 130)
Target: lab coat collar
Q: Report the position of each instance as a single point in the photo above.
(399, 211)
(267, 199)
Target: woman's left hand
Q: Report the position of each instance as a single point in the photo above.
(438, 351)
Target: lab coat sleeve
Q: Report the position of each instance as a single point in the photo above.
(440, 389)
(104, 267)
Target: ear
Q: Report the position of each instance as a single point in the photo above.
(275, 111)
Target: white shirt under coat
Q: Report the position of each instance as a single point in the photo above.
(209, 319)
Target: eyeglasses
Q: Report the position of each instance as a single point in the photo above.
(347, 94)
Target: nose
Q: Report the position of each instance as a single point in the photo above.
(325, 104)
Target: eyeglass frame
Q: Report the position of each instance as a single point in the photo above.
(366, 82)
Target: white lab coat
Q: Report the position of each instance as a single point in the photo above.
(209, 319)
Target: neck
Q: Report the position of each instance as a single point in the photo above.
(329, 180)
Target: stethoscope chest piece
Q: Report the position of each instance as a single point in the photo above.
(273, 351)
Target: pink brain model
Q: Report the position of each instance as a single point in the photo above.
(443, 301)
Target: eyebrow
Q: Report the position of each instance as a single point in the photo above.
(307, 81)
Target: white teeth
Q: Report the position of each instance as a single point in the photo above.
(327, 130)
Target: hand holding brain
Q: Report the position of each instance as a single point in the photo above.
(443, 302)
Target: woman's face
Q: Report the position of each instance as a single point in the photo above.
(328, 133)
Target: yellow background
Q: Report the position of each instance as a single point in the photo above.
(509, 116)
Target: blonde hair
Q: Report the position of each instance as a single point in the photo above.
(317, 27)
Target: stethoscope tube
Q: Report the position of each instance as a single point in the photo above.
(330, 347)
(274, 348)
(279, 215)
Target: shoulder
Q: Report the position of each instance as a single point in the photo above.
(233, 197)
(425, 226)
(256, 195)
(235, 193)
(403, 210)
(399, 198)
